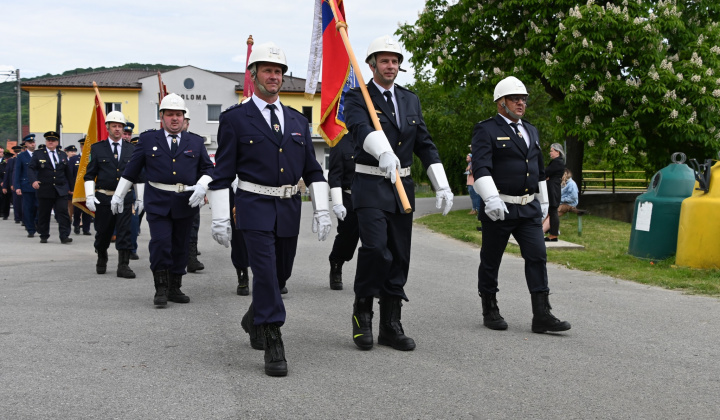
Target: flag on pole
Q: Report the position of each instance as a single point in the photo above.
(248, 87)
(338, 75)
(97, 131)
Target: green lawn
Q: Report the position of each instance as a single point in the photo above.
(606, 245)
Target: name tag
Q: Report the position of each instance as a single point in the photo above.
(503, 138)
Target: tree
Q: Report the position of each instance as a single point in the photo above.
(634, 80)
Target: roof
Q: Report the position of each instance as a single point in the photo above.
(129, 78)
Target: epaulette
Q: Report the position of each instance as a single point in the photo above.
(233, 107)
(149, 130)
(486, 120)
(289, 107)
(355, 88)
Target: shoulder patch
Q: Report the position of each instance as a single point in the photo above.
(149, 130)
(233, 107)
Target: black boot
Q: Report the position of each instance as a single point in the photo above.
(123, 269)
(275, 363)
(174, 292)
(102, 260)
(336, 275)
(193, 264)
(257, 340)
(491, 313)
(391, 330)
(162, 280)
(362, 322)
(543, 319)
(243, 289)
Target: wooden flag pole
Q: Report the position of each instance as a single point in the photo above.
(97, 92)
(342, 28)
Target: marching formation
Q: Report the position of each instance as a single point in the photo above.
(264, 151)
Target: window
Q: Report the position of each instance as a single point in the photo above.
(307, 112)
(214, 113)
(189, 83)
(327, 158)
(112, 106)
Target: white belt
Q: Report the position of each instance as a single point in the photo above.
(521, 199)
(374, 170)
(106, 192)
(172, 187)
(283, 191)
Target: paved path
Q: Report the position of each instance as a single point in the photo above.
(75, 345)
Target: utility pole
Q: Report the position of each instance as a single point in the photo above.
(19, 107)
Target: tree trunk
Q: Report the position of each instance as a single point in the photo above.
(574, 159)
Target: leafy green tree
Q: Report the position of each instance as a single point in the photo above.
(631, 81)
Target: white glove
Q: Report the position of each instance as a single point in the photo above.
(116, 204)
(321, 223)
(197, 199)
(221, 228)
(340, 211)
(90, 199)
(542, 197)
(139, 194)
(495, 208)
(439, 181)
(389, 163)
(544, 207)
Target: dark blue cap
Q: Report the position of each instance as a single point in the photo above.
(29, 137)
(52, 135)
(129, 126)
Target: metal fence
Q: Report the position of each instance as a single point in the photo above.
(604, 180)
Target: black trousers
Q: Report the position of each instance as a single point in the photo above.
(17, 206)
(238, 248)
(529, 235)
(81, 216)
(384, 257)
(348, 233)
(107, 223)
(60, 206)
(5, 203)
(169, 242)
(554, 221)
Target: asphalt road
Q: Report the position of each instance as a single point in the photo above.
(76, 345)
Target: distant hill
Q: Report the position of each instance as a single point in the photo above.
(8, 96)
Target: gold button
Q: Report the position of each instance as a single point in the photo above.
(503, 144)
(399, 143)
(526, 189)
(526, 161)
(352, 157)
(118, 170)
(528, 174)
(153, 155)
(282, 170)
(174, 173)
(250, 141)
(281, 150)
(117, 179)
(413, 121)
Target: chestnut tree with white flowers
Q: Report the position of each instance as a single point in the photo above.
(633, 81)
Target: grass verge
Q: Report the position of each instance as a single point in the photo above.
(606, 244)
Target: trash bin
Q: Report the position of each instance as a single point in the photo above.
(656, 217)
(698, 242)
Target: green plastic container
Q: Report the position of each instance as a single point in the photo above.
(657, 212)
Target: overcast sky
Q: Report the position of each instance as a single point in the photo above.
(40, 37)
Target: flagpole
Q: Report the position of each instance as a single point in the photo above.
(97, 92)
(342, 28)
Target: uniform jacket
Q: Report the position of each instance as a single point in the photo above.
(9, 172)
(75, 165)
(248, 148)
(53, 181)
(499, 152)
(3, 169)
(20, 175)
(186, 166)
(554, 173)
(105, 170)
(342, 163)
(410, 137)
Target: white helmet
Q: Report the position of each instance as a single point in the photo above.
(187, 114)
(384, 44)
(268, 53)
(115, 116)
(509, 86)
(172, 101)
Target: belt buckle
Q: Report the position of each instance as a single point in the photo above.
(180, 187)
(524, 200)
(288, 191)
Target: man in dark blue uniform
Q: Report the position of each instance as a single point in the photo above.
(385, 229)
(178, 171)
(509, 176)
(8, 185)
(340, 176)
(23, 187)
(5, 194)
(108, 160)
(49, 173)
(128, 132)
(79, 217)
(269, 148)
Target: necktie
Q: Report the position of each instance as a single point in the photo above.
(275, 122)
(115, 145)
(54, 158)
(388, 96)
(173, 144)
(517, 131)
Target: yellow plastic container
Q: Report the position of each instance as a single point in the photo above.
(698, 243)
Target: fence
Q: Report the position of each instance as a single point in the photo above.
(603, 180)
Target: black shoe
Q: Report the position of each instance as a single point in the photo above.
(101, 264)
(362, 322)
(124, 269)
(548, 239)
(77, 230)
(243, 288)
(491, 313)
(283, 291)
(275, 363)
(17, 222)
(391, 330)
(31, 235)
(193, 264)
(134, 256)
(43, 240)
(162, 280)
(336, 275)
(65, 240)
(257, 340)
(174, 292)
(543, 320)
(87, 233)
